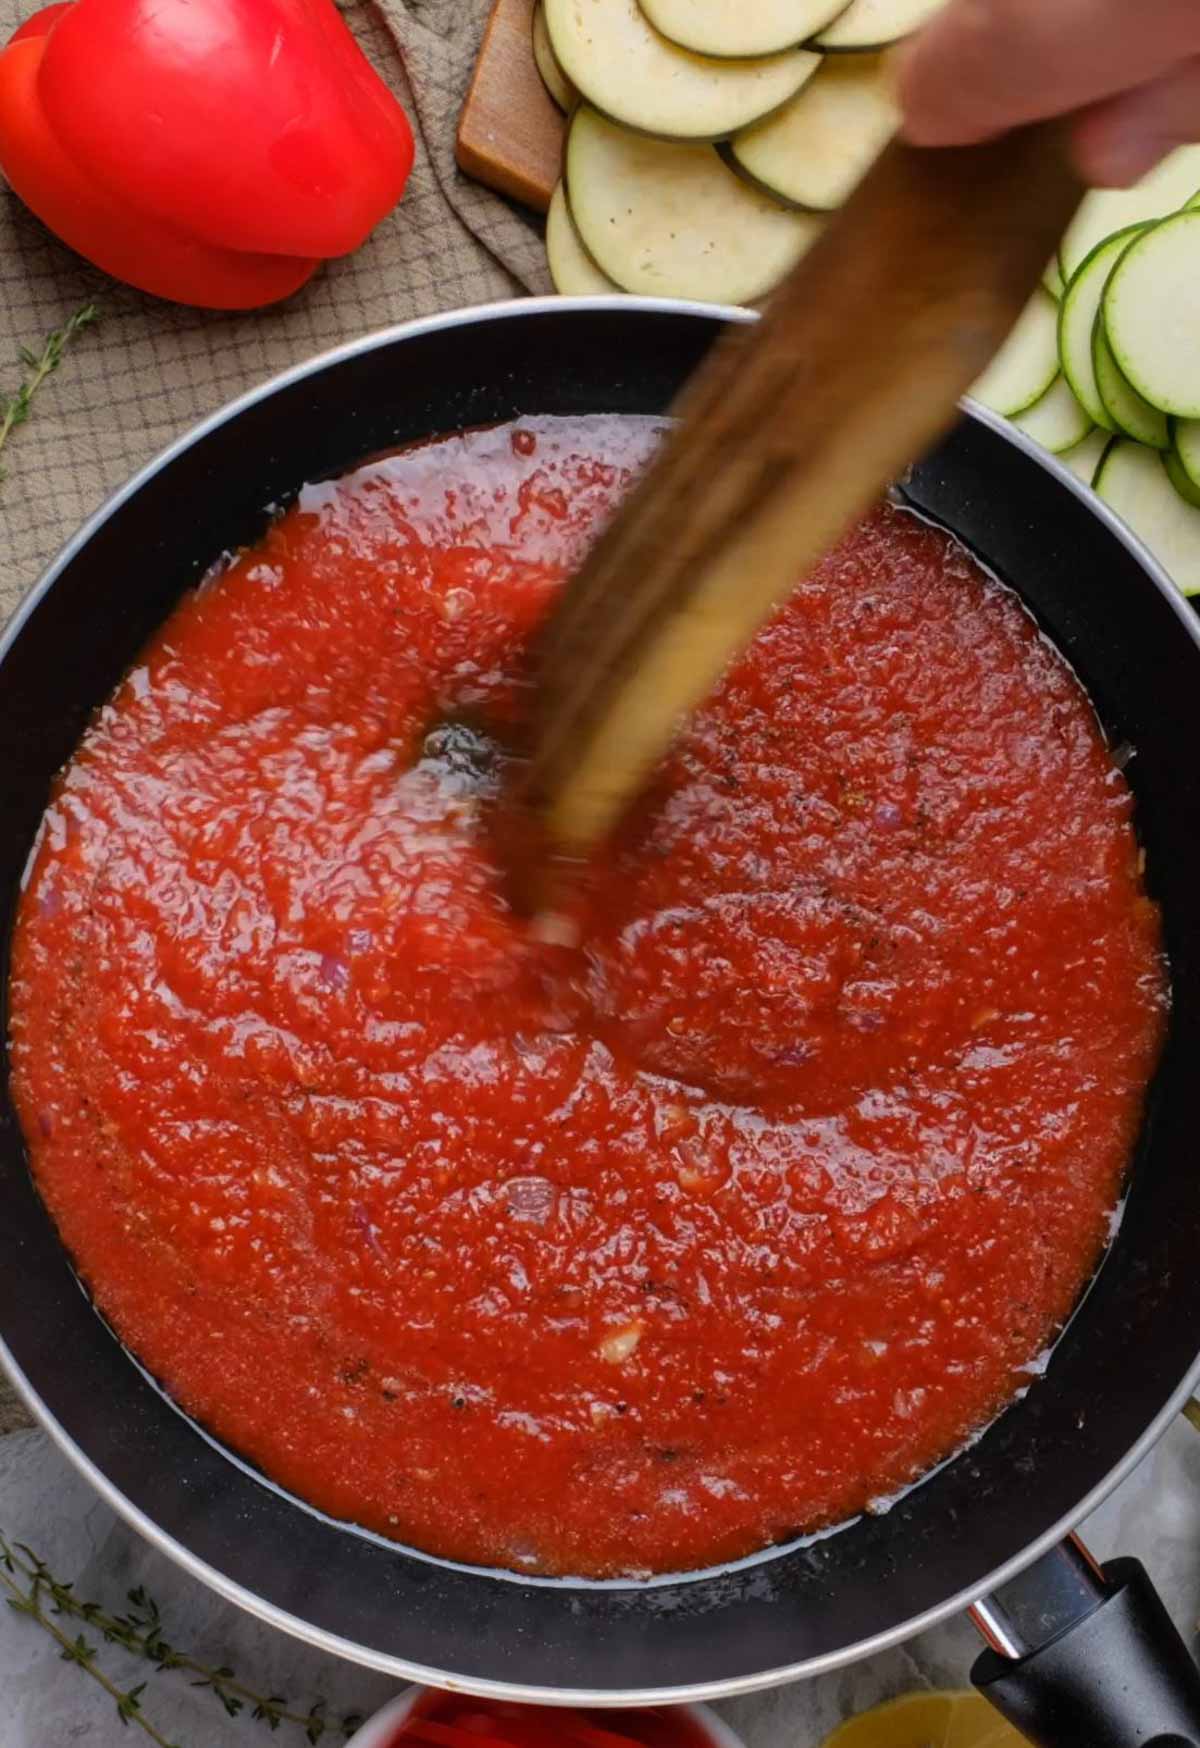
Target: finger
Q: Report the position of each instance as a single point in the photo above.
(984, 66)
(1117, 142)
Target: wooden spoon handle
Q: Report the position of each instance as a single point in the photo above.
(788, 432)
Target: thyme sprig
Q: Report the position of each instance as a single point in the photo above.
(78, 1650)
(33, 1590)
(16, 408)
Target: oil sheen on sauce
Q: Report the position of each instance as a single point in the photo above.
(629, 1257)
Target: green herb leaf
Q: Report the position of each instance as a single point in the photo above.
(15, 410)
(31, 1589)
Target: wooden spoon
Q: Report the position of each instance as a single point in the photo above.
(787, 433)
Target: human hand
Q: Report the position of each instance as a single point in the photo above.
(1130, 74)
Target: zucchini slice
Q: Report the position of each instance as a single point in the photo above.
(546, 61)
(736, 28)
(572, 269)
(1185, 439)
(1129, 411)
(1056, 421)
(814, 150)
(1152, 314)
(623, 67)
(1133, 481)
(672, 221)
(1178, 475)
(1026, 364)
(1077, 316)
(1053, 280)
(1086, 457)
(874, 24)
(1106, 210)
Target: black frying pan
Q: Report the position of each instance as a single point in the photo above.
(1121, 1369)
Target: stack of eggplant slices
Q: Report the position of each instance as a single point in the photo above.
(708, 140)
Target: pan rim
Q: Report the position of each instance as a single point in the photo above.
(294, 1625)
(732, 1687)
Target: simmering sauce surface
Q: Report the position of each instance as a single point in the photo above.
(622, 1257)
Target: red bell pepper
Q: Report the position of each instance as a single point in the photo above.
(207, 151)
(39, 24)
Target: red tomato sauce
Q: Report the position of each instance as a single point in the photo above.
(447, 1720)
(630, 1256)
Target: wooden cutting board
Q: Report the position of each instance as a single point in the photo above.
(510, 133)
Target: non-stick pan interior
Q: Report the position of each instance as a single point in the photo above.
(1120, 1364)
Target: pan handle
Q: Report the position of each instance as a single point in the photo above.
(1083, 1653)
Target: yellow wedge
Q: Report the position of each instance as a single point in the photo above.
(952, 1719)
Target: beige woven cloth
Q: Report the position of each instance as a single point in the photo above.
(150, 370)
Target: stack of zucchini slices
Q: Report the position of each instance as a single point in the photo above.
(708, 138)
(1104, 367)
